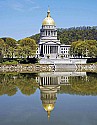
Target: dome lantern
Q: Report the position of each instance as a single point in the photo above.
(48, 13)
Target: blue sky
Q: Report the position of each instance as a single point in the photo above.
(23, 18)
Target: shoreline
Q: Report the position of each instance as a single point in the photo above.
(47, 67)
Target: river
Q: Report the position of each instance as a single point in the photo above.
(48, 98)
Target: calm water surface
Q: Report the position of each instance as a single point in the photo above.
(56, 98)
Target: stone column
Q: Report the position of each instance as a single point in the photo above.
(43, 80)
(47, 49)
(50, 33)
(53, 33)
(55, 49)
(43, 49)
(56, 33)
(47, 80)
(59, 79)
(58, 49)
(39, 81)
(39, 48)
(45, 33)
(50, 49)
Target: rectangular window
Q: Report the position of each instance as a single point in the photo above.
(49, 33)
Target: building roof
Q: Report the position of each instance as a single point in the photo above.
(48, 20)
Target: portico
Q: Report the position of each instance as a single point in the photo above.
(49, 49)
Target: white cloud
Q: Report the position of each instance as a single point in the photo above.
(31, 1)
(19, 5)
(34, 7)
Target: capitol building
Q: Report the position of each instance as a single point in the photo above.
(50, 50)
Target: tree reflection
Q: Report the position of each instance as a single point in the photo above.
(7, 85)
(27, 84)
(86, 85)
(11, 82)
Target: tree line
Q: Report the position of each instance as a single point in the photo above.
(10, 48)
(26, 83)
(69, 35)
(83, 41)
(86, 48)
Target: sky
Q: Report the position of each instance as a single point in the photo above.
(23, 18)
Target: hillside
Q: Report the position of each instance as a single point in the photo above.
(69, 35)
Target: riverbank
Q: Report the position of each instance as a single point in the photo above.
(47, 67)
(26, 68)
(87, 67)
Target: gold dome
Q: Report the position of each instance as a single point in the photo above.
(48, 108)
(48, 20)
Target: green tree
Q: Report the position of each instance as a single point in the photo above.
(1, 45)
(36, 37)
(28, 46)
(84, 48)
(2, 48)
(10, 45)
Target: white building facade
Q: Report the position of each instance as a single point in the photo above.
(50, 50)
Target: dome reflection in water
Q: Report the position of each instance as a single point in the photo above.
(66, 93)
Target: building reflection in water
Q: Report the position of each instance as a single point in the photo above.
(49, 84)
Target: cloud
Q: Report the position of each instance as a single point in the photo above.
(19, 5)
(11, 4)
(34, 7)
(31, 1)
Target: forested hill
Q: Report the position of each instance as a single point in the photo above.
(69, 35)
